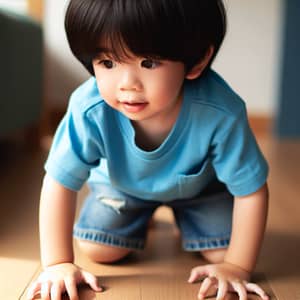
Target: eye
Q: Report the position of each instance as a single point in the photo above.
(149, 63)
(107, 63)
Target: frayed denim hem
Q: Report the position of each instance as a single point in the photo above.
(108, 239)
(205, 244)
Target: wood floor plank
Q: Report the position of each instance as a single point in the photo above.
(15, 278)
(20, 177)
(280, 257)
(161, 271)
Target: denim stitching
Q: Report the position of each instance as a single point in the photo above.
(108, 239)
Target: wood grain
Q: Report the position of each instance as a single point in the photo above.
(161, 271)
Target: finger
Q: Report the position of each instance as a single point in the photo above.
(92, 281)
(45, 290)
(71, 288)
(222, 289)
(56, 291)
(33, 289)
(205, 286)
(240, 289)
(196, 273)
(254, 288)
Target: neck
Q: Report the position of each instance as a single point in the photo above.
(150, 134)
(150, 140)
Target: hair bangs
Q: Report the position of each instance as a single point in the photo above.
(178, 30)
(133, 28)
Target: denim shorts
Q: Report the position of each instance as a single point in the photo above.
(113, 218)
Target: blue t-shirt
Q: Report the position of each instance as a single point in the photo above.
(210, 139)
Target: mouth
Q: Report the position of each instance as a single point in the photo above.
(133, 107)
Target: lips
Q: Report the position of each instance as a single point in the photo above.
(133, 107)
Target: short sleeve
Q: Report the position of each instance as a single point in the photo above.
(236, 157)
(75, 150)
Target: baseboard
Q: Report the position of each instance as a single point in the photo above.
(261, 125)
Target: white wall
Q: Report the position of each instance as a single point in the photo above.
(19, 6)
(63, 73)
(249, 59)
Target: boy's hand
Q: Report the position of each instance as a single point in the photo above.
(224, 278)
(60, 278)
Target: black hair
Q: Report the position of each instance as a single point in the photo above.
(176, 30)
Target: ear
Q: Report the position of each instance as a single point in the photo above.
(197, 70)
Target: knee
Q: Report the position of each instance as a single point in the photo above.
(214, 256)
(101, 253)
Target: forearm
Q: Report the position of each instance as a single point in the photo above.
(57, 212)
(248, 227)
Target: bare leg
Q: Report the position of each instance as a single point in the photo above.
(102, 253)
(214, 256)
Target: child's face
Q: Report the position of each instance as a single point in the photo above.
(140, 88)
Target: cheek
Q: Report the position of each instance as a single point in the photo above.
(105, 87)
(170, 81)
(163, 95)
(169, 87)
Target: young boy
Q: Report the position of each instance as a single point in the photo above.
(153, 126)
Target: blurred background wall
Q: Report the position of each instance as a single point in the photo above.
(287, 123)
(21, 76)
(259, 59)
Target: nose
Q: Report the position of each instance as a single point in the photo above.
(130, 81)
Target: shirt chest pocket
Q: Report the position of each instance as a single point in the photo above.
(190, 185)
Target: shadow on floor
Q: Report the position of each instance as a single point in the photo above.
(280, 254)
(21, 175)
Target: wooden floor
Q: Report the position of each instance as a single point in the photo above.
(161, 271)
